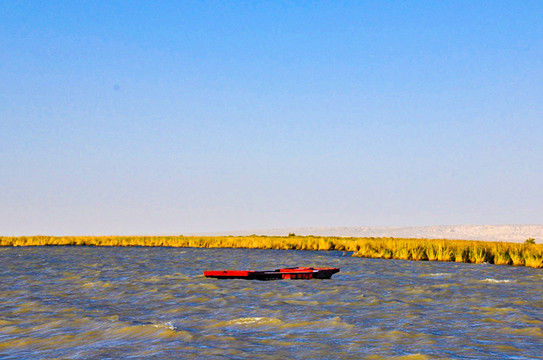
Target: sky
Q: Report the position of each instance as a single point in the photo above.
(172, 117)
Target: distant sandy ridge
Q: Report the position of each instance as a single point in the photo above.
(503, 233)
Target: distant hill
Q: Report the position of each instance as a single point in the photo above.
(505, 233)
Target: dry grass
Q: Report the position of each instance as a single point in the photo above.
(384, 248)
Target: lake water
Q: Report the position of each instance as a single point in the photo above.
(110, 303)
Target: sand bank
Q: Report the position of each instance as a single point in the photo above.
(503, 233)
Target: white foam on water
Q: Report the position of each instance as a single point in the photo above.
(498, 281)
(166, 325)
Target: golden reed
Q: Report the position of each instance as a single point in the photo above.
(383, 248)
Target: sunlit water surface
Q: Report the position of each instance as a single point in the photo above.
(87, 302)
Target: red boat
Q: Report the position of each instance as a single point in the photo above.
(304, 273)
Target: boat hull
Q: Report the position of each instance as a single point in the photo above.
(297, 273)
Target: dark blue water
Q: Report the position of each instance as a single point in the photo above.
(109, 303)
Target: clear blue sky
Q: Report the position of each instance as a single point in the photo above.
(141, 117)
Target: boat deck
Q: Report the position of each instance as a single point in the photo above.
(296, 273)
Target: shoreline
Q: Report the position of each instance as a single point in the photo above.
(498, 253)
(494, 233)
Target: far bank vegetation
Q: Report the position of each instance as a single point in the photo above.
(527, 254)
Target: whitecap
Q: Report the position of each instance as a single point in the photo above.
(166, 325)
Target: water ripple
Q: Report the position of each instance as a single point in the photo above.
(80, 303)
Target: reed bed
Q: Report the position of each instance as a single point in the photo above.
(498, 253)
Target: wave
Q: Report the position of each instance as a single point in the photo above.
(498, 281)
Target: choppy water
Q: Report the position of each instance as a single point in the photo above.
(84, 302)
